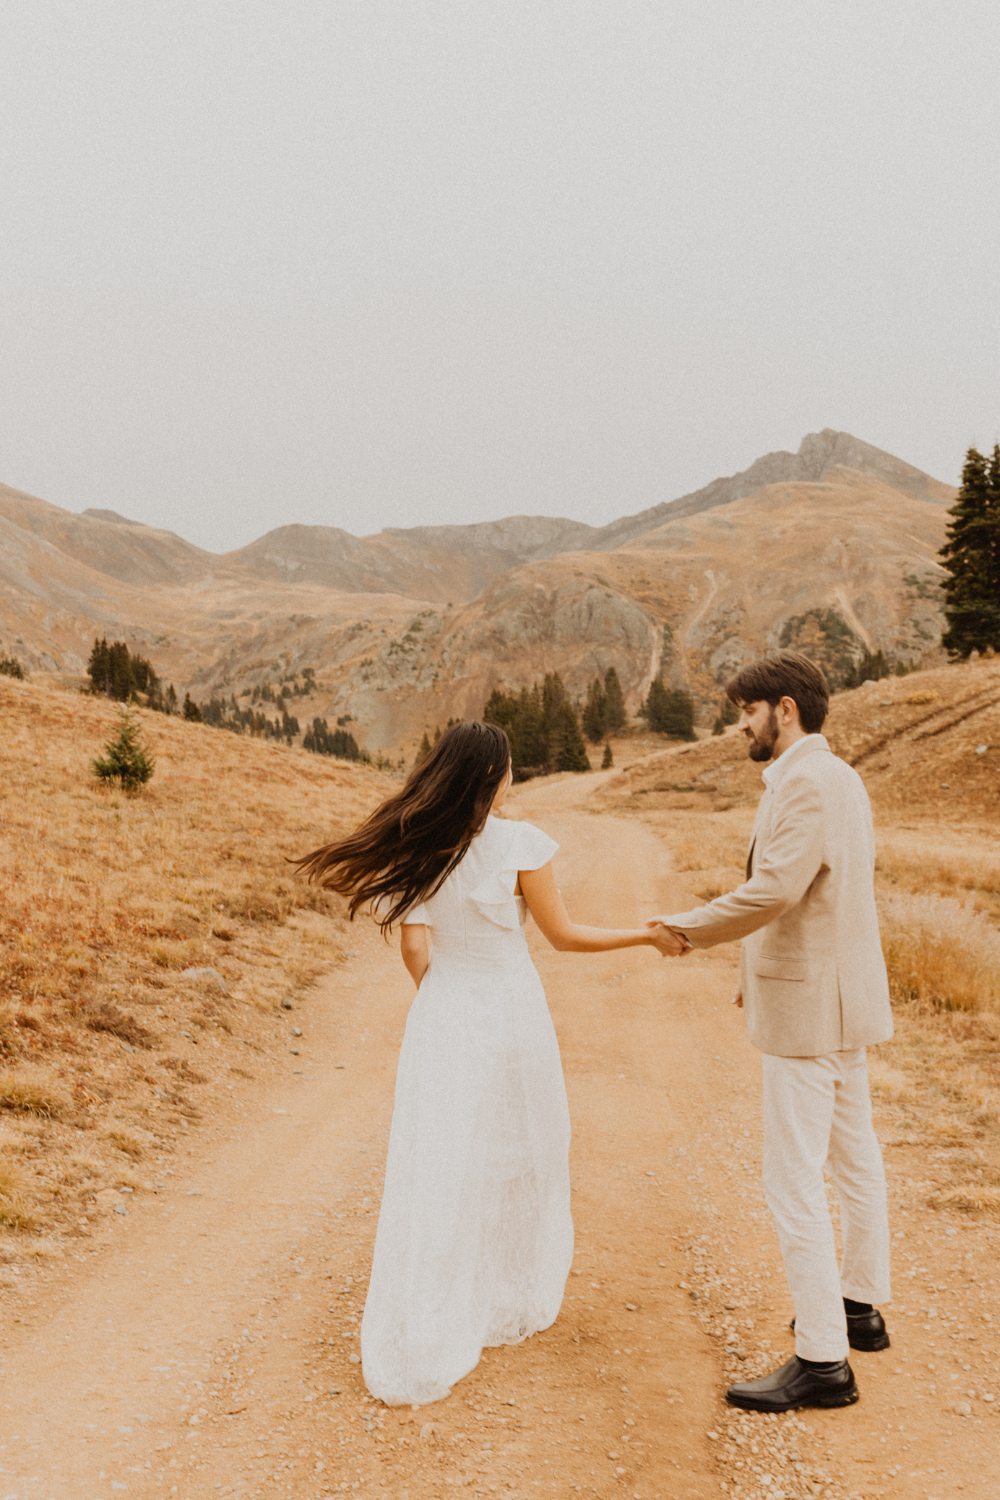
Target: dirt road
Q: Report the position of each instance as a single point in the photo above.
(205, 1342)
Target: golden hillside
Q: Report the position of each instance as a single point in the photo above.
(834, 549)
(927, 746)
(106, 901)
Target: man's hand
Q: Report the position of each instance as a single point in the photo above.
(738, 997)
(668, 944)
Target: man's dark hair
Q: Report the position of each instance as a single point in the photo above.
(784, 674)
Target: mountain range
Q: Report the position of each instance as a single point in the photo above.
(833, 547)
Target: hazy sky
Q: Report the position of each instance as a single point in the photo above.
(397, 262)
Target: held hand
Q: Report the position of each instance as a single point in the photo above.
(667, 943)
(738, 997)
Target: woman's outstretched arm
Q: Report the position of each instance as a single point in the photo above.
(414, 950)
(538, 887)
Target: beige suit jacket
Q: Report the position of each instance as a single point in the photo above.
(813, 975)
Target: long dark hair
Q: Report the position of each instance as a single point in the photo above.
(409, 846)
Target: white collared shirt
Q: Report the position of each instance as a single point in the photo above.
(775, 769)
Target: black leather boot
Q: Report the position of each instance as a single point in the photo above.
(796, 1385)
(865, 1331)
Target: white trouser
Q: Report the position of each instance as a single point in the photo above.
(817, 1112)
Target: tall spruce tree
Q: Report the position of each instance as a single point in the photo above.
(615, 717)
(971, 556)
(567, 752)
(654, 710)
(594, 711)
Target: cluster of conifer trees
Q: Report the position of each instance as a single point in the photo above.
(322, 741)
(669, 711)
(223, 715)
(971, 556)
(543, 728)
(116, 673)
(604, 711)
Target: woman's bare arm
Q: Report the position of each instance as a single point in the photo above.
(538, 887)
(414, 950)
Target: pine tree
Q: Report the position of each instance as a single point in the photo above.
(972, 556)
(728, 714)
(594, 711)
(655, 708)
(615, 717)
(679, 720)
(125, 757)
(608, 760)
(191, 711)
(670, 711)
(423, 750)
(567, 752)
(871, 666)
(97, 667)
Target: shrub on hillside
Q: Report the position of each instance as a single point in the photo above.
(11, 667)
(125, 759)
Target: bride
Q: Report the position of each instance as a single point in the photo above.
(475, 1238)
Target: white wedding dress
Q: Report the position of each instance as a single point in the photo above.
(475, 1238)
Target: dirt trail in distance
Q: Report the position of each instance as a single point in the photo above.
(205, 1344)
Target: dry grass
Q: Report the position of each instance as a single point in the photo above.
(717, 882)
(971, 1196)
(30, 1091)
(711, 847)
(106, 1017)
(931, 870)
(125, 1143)
(106, 899)
(14, 1211)
(940, 953)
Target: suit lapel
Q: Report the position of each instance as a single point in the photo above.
(758, 831)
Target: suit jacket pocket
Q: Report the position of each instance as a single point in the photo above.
(779, 968)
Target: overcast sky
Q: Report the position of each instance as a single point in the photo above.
(401, 262)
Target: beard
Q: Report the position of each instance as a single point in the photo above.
(762, 745)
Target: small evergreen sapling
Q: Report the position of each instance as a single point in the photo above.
(125, 757)
(608, 760)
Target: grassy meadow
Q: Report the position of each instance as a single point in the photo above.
(107, 1045)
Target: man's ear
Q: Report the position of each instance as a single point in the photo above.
(789, 710)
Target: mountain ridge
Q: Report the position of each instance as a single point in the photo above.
(834, 548)
(437, 562)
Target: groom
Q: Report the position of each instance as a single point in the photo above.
(813, 982)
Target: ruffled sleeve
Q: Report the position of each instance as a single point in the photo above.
(415, 915)
(528, 848)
